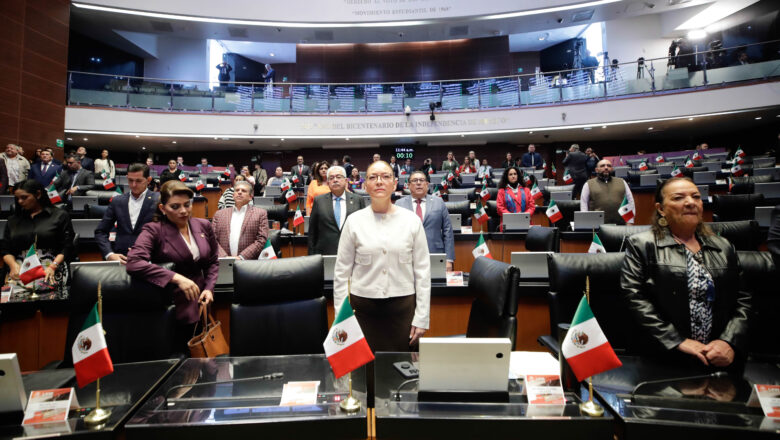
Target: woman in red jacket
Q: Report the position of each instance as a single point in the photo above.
(512, 196)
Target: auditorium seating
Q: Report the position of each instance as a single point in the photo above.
(613, 236)
(467, 191)
(494, 285)
(760, 277)
(463, 208)
(745, 235)
(278, 307)
(735, 207)
(554, 188)
(274, 236)
(543, 239)
(688, 172)
(634, 176)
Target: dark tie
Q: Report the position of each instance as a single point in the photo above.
(337, 211)
(418, 211)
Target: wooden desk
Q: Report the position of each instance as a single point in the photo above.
(212, 196)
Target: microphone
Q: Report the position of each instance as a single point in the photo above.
(676, 379)
(271, 376)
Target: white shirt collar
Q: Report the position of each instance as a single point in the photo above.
(141, 197)
(343, 196)
(242, 210)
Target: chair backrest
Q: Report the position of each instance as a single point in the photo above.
(613, 236)
(96, 211)
(555, 188)
(275, 237)
(104, 197)
(278, 307)
(463, 208)
(567, 208)
(137, 316)
(688, 172)
(634, 175)
(279, 213)
(745, 235)
(567, 284)
(735, 207)
(494, 285)
(543, 239)
(760, 276)
(492, 211)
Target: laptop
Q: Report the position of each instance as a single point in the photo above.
(588, 220)
(225, 276)
(704, 177)
(764, 215)
(468, 179)
(621, 171)
(764, 162)
(438, 266)
(713, 166)
(85, 227)
(457, 197)
(648, 179)
(264, 201)
(560, 195)
(6, 203)
(518, 221)
(464, 364)
(273, 191)
(455, 219)
(13, 397)
(532, 265)
(704, 190)
(80, 202)
(329, 261)
(770, 190)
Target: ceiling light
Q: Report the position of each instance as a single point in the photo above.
(697, 34)
(603, 126)
(715, 12)
(758, 118)
(346, 139)
(137, 136)
(649, 128)
(86, 139)
(143, 148)
(690, 119)
(70, 139)
(282, 139)
(216, 138)
(545, 10)
(272, 54)
(463, 135)
(530, 132)
(586, 128)
(174, 142)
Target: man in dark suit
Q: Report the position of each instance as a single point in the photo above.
(86, 163)
(434, 216)
(576, 161)
(45, 170)
(329, 212)
(300, 170)
(130, 212)
(532, 158)
(407, 168)
(76, 181)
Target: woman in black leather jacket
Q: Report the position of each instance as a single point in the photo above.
(682, 283)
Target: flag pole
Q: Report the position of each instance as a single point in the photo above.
(350, 404)
(590, 407)
(34, 294)
(98, 415)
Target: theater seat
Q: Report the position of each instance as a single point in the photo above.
(280, 213)
(760, 277)
(735, 207)
(104, 197)
(137, 316)
(274, 236)
(745, 235)
(543, 239)
(463, 208)
(634, 178)
(494, 286)
(555, 188)
(613, 236)
(492, 211)
(278, 307)
(468, 191)
(688, 172)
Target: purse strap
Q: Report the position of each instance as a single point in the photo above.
(203, 312)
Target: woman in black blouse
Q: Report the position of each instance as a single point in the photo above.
(170, 173)
(36, 221)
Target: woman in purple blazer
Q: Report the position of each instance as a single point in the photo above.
(187, 242)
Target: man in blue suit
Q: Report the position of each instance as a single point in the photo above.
(45, 170)
(434, 215)
(130, 212)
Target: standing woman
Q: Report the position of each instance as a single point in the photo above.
(450, 164)
(512, 197)
(318, 185)
(355, 180)
(170, 173)
(36, 221)
(176, 237)
(104, 164)
(467, 166)
(384, 253)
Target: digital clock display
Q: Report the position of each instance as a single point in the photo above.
(403, 153)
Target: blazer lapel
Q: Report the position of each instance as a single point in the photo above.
(200, 238)
(145, 207)
(428, 208)
(176, 242)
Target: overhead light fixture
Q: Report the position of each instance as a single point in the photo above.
(143, 148)
(697, 34)
(714, 13)
(649, 128)
(346, 139)
(586, 128)
(530, 132)
(544, 36)
(174, 142)
(70, 139)
(463, 135)
(137, 136)
(758, 118)
(546, 10)
(86, 139)
(603, 126)
(272, 54)
(282, 139)
(690, 119)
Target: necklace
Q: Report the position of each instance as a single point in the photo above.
(680, 241)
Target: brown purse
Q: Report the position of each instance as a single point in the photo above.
(210, 342)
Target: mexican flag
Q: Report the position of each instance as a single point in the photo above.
(430, 170)
(199, 186)
(689, 163)
(676, 172)
(696, 155)
(406, 185)
(731, 184)
(536, 193)
(103, 175)
(31, 267)
(290, 196)
(268, 252)
(660, 158)
(285, 185)
(298, 217)
(585, 347)
(526, 178)
(118, 192)
(183, 177)
(108, 184)
(90, 352)
(596, 246)
(450, 176)
(481, 213)
(55, 178)
(481, 249)
(626, 209)
(739, 152)
(346, 347)
(554, 171)
(444, 183)
(437, 191)
(484, 194)
(567, 179)
(544, 165)
(737, 170)
(54, 196)
(553, 213)
(642, 166)
(294, 178)
(620, 160)
(226, 173)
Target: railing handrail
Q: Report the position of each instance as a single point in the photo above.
(395, 83)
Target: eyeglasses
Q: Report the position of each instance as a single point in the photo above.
(383, 177)
(417, 181)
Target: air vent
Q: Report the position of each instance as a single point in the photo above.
(237, 32)
(459, 31)
(323, 35)
(162, 26)
(582, 15)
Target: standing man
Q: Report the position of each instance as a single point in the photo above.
(605, 193)
(532, 159)
(17, 167)
(394, 165)
(130, 212)
(179, 162)
(86, 163)
(302, 171)
(241, 230)
(224, 73)
(261, 178)
(347, 165)
(77, 181)
(577, 161)
(376, 157)
(593, 160)
(45, 170)
(434, 216)
(508, 162)
(329, 212)
(407, 168)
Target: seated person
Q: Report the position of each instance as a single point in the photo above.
(76, 181)
(278, 178)
(512, 196)
(682, 282)
(242, 229)
(467, 166)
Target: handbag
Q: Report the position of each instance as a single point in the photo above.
(210, 342)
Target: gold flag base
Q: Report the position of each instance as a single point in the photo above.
(350, 405)
(591, 409)
(97, 416)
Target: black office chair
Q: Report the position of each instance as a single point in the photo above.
(95, 211)
(745, 235)
(760, 276)
(493, 192)
(494, 285)
(279, 213)
(688, 172)
(275, 237)
(613, 237)
(567, 208)
(634, 176)
(735, 207)
(746, 184)
(494, 220)
(278, 307)
(567, 284)
(138, 317)
(543, 239)
(463, 208)
(104, 197)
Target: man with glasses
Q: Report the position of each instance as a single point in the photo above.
(434, 216)
(329, 212)
(77, 181)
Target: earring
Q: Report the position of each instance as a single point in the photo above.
(663, 222)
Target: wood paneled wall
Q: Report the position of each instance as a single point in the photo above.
(33, 72)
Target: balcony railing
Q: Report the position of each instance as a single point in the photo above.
(653, 76)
